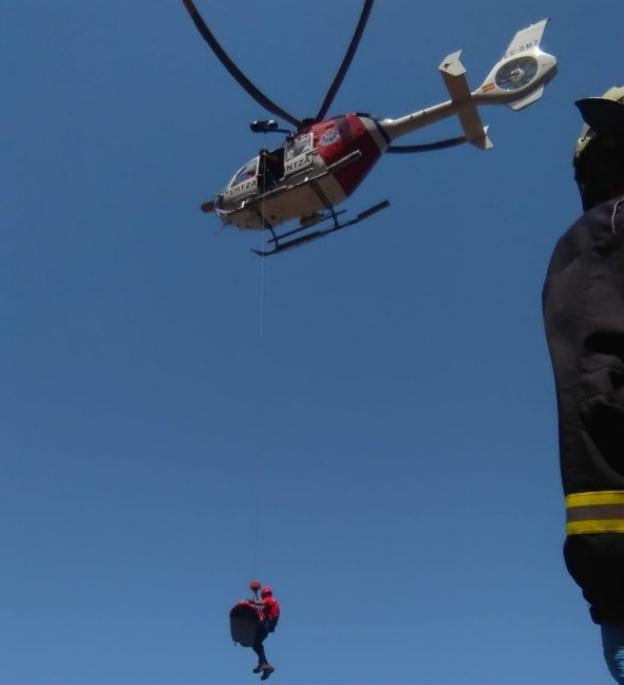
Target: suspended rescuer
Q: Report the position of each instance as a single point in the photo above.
(269, 613)
(583, 302)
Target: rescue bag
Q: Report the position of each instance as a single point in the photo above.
(245, 622)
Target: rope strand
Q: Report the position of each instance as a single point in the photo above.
(262, 259)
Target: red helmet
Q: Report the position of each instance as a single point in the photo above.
(267, 591)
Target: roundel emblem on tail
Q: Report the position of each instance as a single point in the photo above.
(516, 73)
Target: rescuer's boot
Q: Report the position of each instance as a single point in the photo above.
(266, 671)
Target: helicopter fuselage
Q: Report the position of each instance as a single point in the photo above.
(318, 167)
(312, 171)
(324, 160)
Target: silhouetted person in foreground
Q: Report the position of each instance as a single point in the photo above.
(583, 302)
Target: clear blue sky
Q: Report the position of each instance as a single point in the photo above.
(367, 423)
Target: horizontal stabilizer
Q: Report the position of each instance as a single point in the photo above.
(454, 75)
(528, 100)
(474, 130)
(483, 141)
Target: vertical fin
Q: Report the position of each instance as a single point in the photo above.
(526, 39)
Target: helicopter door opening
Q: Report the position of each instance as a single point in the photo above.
(299, 154)
(270, 169)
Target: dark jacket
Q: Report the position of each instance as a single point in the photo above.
(583, 303)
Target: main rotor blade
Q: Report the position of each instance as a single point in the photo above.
(346, 62)
(429, 147)
(243, 81)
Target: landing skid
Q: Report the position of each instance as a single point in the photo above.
(280, 246)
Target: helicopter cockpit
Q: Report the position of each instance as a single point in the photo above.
(259, 174)
(247, 175)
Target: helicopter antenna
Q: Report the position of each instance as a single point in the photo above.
(346, 62)
(234, 71)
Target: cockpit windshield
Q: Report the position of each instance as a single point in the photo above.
(245, 173)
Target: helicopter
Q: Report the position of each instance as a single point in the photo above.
(323, 160)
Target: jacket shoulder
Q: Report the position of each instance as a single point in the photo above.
(591, 229)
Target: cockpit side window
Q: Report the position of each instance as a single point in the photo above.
(245, 173)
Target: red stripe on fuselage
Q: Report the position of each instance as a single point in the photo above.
(339, 137)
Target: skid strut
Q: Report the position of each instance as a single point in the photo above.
(280, 246)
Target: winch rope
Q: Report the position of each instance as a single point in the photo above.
(262, 259)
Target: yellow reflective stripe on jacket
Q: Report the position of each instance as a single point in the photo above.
(595, 512)
(583, 499)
